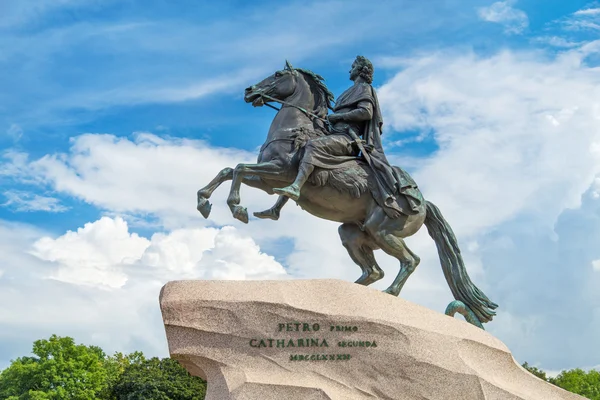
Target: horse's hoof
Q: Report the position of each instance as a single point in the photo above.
(391, 291)
(240, 213)
(363, 280)
(204, 207)
(372, 277)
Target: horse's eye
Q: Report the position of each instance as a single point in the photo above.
(278, 74)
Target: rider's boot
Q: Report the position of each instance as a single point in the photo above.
(273, 212)
(293, 191)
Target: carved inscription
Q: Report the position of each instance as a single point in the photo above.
(301, 345)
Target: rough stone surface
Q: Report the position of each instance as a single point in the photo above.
(418, 353)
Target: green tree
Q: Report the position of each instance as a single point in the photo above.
(578, 381)
(535, 371)
(115, 366)
(60, 369)
(157, 379)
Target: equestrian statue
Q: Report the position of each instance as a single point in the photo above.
(333, 166)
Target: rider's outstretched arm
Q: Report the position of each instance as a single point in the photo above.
(364, 112)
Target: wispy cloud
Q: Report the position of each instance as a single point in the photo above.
(582, 20)
(515, 21)
(588, 11)
(16, 13)
(14, 165)
(27, 202)
(95, 63)
(582, 25)
(15, 132)
(556, 41)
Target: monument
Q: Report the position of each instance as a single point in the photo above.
(330, 339)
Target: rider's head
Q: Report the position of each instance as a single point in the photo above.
(365, 67)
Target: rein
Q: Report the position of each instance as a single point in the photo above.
(285, 103)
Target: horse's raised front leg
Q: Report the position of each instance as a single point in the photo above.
(204, 206)
(226, 174)
(261, 170)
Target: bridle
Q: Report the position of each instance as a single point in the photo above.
(310, 115)
(285, 103)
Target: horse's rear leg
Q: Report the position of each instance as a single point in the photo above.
(360, 246)
(396, 247)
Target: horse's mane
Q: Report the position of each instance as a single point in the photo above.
(323, 97)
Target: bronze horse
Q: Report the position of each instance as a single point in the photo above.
(342, 195)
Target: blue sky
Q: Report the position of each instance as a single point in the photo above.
(113, 114)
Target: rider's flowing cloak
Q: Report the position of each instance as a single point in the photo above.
(391, 181)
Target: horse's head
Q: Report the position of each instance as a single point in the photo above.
(280, 86)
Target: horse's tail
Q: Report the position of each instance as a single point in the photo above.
(454, 269)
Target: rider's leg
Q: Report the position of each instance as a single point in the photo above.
(317, 151)
(293, 191)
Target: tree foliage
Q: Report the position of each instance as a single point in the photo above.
(158, 379)
(578, 381)
(60, 369)
(586, 384)
(537, 372)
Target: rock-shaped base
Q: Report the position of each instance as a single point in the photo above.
(330, 339)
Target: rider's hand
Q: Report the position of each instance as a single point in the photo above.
(333, 118)
(368, 147)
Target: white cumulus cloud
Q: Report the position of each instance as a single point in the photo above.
(104, 253)
(105, 281)
(94, 254)
(516, 133)
(516, 169)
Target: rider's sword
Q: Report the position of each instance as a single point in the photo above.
(367, 157)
